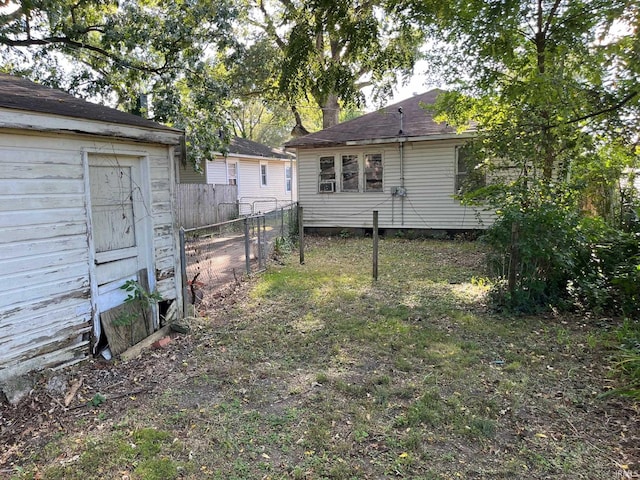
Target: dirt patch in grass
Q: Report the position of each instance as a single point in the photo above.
(314, 371)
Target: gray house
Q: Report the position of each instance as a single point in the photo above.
(397, 161)
(86, 205)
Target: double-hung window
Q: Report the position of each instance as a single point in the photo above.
(354, 172)
(287, 178)
(263, 174)
(232, 173)
(350, 174)
(373, 172)
(327, 180)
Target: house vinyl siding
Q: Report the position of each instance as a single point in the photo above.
(429, 181)
(45, 256)
(253, 197)
(188, 174)
(217, 171)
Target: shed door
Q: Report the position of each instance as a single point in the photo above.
(120, 227)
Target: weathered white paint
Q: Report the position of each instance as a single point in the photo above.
(23, 120)
(429, 177)
(47, 262)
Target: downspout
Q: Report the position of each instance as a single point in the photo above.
(401, 147)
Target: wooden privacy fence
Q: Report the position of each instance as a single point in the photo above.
(204, 204)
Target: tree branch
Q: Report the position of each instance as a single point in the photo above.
(611, 108)
(269, 27)
(552, 14)
(80, 46)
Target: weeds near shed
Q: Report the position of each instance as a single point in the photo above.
(140, 298)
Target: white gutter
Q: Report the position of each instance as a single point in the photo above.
(376, 141)
(251, 157)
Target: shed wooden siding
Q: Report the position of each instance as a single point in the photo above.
(429, 173)
(45, 306)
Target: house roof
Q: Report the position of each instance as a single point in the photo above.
(381, 124)
(22, 94)
(242, 146)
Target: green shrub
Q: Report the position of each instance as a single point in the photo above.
(537, 243)
(607, 276)
(559, 257)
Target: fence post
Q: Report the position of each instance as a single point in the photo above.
(282, 222)
(259, 244)
(216, 213)
(514, 258)
(247, 250)
(183, 272)
(375, 245)
(301, 233)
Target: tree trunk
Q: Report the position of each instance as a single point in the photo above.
(330, 111)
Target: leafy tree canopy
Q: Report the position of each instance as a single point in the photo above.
(547, 82)
(331, 50)
(117, 50)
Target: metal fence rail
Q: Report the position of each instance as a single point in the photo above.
(216, 256)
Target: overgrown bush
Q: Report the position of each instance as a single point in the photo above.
(548, 253)
(628, 364)
(606, 279)
(534, 247)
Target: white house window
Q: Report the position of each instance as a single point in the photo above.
(373, 172)
(263, 174)
(287, 178)
(468, 176)
(350, 173)
(327, 178)
(232, 173)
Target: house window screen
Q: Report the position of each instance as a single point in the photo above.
(287, 178)
(263, 174)
(350, 173)
(373, 172)
(327, 180)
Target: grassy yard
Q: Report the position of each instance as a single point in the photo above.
(314, 371)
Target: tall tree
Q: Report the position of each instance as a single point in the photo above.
(117, 50)
(552, 88)
(331, 50)
(545, 79)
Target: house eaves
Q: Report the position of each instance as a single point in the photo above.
(378, 141)
(258, 157)
(35, 121)
(26, 105)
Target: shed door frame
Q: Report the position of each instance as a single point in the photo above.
(146, 260)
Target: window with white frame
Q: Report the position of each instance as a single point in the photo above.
(355, 172)
(232, 173)
(263, 174)
(287, 178)
(373, 172)
(469, 176)
(350, 174)
(327, 177)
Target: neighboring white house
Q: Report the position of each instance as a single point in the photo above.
(265, 176)
(86, 204)
(397, 161)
